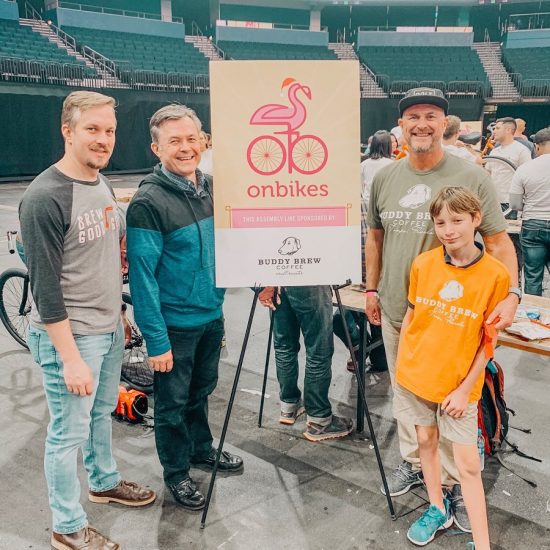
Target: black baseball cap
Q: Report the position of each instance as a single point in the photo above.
(542, 136)
(418, 96)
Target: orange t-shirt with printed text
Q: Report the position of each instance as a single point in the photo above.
(450, 306)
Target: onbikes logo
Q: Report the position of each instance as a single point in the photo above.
(293, 152)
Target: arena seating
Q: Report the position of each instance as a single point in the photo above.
(143, 52)
(257, 50)
(27, 55)
(533, 67)
(424, 63)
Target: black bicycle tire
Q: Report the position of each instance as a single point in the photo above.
(4, 317)
(496, 157)
(138, 378)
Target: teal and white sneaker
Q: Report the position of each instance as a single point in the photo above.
(471, 546)
(423, 530)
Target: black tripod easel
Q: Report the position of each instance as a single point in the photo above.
(266, 368)
(231, 401)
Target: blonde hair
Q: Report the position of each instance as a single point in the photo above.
(458, 200)
(453, 127)
(77, 102)
(171, 112)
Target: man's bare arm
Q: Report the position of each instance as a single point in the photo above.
(501, 247)
(373, 260)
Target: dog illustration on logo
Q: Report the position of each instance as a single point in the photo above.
(290, 246)
(451, 291)
(416, 196)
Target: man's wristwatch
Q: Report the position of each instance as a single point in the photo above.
(517, 291)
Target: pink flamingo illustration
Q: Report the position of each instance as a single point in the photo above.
(274, 114)
(267, 154)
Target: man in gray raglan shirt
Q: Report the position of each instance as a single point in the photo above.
(71, 233)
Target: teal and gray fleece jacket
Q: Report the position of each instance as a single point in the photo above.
(170, 233)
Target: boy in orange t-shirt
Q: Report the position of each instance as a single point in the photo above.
(441, 357)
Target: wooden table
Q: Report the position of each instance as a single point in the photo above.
(542, 347)
(124, 194)
(355, 301)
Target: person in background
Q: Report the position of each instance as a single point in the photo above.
(530, 193)
(394, 145)
(206, 164)
(306, 310)
(520, 137)
(501, 173)
(452, 145)
(380, 156)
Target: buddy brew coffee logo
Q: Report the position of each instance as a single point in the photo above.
(289, 264)
(291, 245)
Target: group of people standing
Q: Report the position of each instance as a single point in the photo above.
(76, 243)
(422, 268)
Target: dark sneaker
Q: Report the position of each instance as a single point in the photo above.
(228, 462)
(186, 495)
(402, 479)
(458, 509)
(423, 530)
(289, 418)
(126, 492)
(87, 538)
(339, 427)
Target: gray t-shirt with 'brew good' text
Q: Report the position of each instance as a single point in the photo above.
(71, 234)
(400, 205)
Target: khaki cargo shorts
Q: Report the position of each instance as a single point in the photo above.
(408, 407)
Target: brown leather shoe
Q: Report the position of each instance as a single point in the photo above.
(85, 539)
(126, 492)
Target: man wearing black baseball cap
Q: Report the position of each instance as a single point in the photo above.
(418, 96)
(400, 228)
(530, 192)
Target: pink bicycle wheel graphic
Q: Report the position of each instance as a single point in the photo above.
(266, 155)
(309, 154)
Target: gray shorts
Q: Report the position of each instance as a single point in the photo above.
(408, 407)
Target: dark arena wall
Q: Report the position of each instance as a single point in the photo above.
(31, 137)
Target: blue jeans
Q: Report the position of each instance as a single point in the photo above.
(78, 423)
(535, 242)
(309, 309)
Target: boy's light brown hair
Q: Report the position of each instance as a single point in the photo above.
(77, 102)
(458, 200)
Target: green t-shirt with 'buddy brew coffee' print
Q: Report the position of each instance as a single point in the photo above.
(400, 205)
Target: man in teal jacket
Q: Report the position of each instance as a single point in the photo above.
(170, 233)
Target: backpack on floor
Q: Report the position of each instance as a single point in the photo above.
(494, 416)
(492, 412)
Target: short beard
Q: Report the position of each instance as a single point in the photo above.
(424, 149)
(96, 166)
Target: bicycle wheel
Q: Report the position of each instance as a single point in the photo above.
(15, 303)
(503, 161)
(136, 371)
(309, 154)
(266, 155)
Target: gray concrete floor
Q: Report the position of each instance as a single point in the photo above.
(293, 494)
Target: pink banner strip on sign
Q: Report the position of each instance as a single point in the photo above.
(245, 218)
